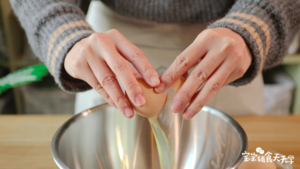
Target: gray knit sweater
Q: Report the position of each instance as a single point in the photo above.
(54, 26)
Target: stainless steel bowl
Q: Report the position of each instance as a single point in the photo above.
(102, 138)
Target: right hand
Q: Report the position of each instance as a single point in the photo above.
(101, 58)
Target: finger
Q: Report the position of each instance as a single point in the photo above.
(238, 73)
(99, 89)
(124, 73)
(109, 83)
(198, 61)
(136, 74)
(138, 59)
(187, 59)
(197, 77)
(121, 68)
(88, 76)
(213, 85)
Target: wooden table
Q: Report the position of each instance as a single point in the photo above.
(25, 139)
(278, 133)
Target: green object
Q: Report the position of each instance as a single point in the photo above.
(23, 76)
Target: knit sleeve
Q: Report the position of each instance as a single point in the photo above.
(52, 28)
(267, 26)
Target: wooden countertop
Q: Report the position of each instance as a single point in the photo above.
(278, 133)
(25, 139)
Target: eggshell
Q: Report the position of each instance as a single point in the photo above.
(154, 101)
(176, 86)
(256, 165)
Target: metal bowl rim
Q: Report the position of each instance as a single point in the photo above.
(219, 113)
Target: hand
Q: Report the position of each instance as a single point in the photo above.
(220, 56)
(101, 57)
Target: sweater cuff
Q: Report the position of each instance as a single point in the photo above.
(256, 34)
(60, 42)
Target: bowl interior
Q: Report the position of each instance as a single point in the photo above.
(102, 138)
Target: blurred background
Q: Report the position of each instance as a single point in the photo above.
(282, 83)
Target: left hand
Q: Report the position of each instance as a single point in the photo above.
(220, 56)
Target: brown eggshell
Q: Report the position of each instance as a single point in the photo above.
(154, 101)
(176, 86)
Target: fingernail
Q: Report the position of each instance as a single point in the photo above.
(154, 80)
(140, 100)
(176, 106)
(188, 114)
(128, 112)
(160, 88)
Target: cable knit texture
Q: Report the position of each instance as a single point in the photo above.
(54, 26)
(267, 27)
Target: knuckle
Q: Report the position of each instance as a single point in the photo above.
(199, 104)
(170, 77)
(241, 71)
(239, 56)
(234, 58)
(120, 65)
(230, 41)
(102, 92)
(82, 50)
(138, 54)
(120, 99)
(132, 86)
(113, 32)
(209, 33)
(85, 51)
(106, 97)
(214, 88)
(98, 38)
(109, 100)
(183, 61)
(77, 63)
(186, 95)
(98, 87)
(108, 81)
(199, 75)
(148, 68)
(236, 55)
(95, 36)
(74, 75)
(228, 44)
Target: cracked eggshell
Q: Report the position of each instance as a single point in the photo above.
(154, 101)
(177, 85)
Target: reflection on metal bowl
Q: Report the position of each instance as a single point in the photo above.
(101, 138)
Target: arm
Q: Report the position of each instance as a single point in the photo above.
(79, 58)
(267, 26)
(52, 28)
(254, 35)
